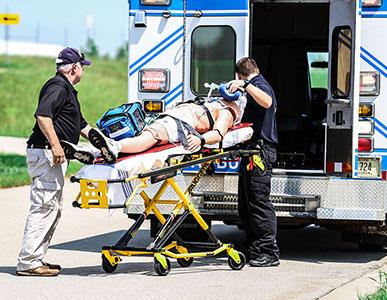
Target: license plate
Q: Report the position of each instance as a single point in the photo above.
(369, 167)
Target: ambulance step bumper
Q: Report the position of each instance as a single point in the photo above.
(284, 204)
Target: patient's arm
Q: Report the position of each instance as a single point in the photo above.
(222, 123)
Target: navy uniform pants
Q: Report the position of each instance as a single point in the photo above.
(256, 211)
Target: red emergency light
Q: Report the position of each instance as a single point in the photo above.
(365, 144)
(154, 80)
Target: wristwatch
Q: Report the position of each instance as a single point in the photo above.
(247, 82)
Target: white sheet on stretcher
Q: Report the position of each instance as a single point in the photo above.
(134, 165)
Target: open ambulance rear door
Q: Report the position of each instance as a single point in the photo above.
(343, 89)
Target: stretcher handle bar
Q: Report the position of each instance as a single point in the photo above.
(74, 179)
(76, 204)
(118, 180)
(186, 164)
(249, 152)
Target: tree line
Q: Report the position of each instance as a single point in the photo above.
(91, 50)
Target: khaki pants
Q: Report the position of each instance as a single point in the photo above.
(45, 207)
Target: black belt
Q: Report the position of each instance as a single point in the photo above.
(33, 146)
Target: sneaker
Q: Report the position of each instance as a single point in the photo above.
(52, 266)
(109, 148)
(39, 271)
(80, 153)
(264, 260)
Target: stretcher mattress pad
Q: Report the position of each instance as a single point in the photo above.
(155, 158)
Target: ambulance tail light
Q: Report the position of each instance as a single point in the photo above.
(369, 83)
(365, 144)
(154, 80)
(339, 167)
(371, 3)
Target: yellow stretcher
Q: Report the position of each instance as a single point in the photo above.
(93, 194)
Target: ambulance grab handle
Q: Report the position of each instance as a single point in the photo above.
(337, 101)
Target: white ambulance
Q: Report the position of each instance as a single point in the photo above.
(327, 63)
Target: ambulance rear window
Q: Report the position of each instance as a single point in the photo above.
(341, 62)
(212, 56)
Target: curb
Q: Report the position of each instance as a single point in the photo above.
(361, 286)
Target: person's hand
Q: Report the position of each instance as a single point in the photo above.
(235, 84)
(58, 156)
(194, 143)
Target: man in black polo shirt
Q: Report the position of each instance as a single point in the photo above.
(256, 212)
(58, 117)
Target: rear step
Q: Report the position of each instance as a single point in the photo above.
(284, 204)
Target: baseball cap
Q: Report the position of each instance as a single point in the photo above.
(71, 56)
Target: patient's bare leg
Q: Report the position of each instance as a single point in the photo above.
(140, 143)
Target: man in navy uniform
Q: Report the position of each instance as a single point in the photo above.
(256, 211)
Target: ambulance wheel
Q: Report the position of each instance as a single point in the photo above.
(185, 263)
(107, 266)
(237, 266)
(160, 270)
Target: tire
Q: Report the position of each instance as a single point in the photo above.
(160, 269)
(184, 262)
(234, 265)
(107, 266)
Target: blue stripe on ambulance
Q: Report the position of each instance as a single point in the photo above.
(194, 5)
(380, 123)
(192, 14)
(157, 46)
(157, 53)
(373, 61)
(178, 88)
(374, 16)
(382, 8)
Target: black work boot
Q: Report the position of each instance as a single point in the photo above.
(264, 260)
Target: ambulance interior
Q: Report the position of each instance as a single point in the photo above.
(289, 42)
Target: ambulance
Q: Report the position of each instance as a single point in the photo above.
(327, 63)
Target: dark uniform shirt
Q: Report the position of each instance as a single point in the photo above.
(58, 100)
(264, 121)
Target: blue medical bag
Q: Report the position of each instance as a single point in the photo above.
(125, 121)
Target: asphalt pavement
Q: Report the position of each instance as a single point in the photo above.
(315, 264)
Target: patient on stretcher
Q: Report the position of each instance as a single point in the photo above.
(193, 124)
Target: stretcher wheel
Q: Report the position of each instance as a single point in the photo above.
(160, 270)
(185, 263)
(237, 266)
(107, 266)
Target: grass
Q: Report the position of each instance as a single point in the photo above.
(381, 293)
(104, 85)
(13, 170)
(319, 78)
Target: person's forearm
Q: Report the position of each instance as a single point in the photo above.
(47, 127)
(259, 96)
(212, 137)
(85, 131)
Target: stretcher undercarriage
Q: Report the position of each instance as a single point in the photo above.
(167, 243)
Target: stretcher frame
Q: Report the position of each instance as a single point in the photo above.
(93, 194)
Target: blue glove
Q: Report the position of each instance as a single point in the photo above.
(226, 94)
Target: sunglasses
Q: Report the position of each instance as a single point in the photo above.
(82, 58)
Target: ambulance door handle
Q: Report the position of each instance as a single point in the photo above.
(338, 101)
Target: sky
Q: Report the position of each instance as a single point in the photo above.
(69, 22)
